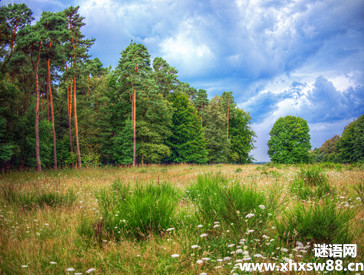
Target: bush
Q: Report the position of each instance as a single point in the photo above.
(319, 223)
(137, 212)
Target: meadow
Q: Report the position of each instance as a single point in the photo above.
(176, 219)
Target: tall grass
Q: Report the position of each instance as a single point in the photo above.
(218, 200)
(322, 222)
(36, 198)
(310, 183)
(137, 212)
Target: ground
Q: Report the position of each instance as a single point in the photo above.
(57, 222)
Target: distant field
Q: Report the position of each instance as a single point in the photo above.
(178, 219)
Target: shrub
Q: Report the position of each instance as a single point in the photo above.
(319, 223)
(137, 212)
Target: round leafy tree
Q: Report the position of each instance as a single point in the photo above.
(289, 140)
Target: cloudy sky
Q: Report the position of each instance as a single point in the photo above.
(279, 57)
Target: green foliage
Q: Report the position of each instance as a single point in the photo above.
(218, 146)
(351, 143)
(289, 140)
(138, 212)
(123, 145)
(241, 136)
(165, 76)
(322, 222)
(187, 142)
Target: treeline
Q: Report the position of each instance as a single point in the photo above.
(347, 148)
(59, 107)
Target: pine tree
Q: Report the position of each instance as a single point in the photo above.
(79, 47)
(218, 146)
(187, 142)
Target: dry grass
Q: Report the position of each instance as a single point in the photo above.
(34, 238)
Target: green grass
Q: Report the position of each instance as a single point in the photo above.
(219, 200)
(323, 222)
(311, 182)
(207, 205)
(32, 199)
(137, 212)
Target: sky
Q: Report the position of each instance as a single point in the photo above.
(278, 57)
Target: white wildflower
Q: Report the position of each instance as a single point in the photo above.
(195, 246)
(199, 262)
(261, 206)
(70, 269)
(90, 270)
(175, 255)
(250, 215)
(170, 229)
(203, 235)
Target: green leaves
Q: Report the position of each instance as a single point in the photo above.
(188, 143)
(289, 140)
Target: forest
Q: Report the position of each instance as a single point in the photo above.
(61, 108)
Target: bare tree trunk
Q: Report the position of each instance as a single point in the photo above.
(37, 152)
(227, 134)
(52, 115)
(134, 127)
(69, 113)
(76, 125)
(47, 88)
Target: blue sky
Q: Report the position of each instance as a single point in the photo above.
(302, 58)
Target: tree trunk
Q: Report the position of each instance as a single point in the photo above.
(227, 134)
(52, 115)
(37, 152)
(134, 127)
(47, 89)
(69, 113)
(13, 39)
(76, 126)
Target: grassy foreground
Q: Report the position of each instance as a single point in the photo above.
(180, 219)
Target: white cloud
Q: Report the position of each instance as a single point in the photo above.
(185, 50)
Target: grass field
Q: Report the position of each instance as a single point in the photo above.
(179, 219)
